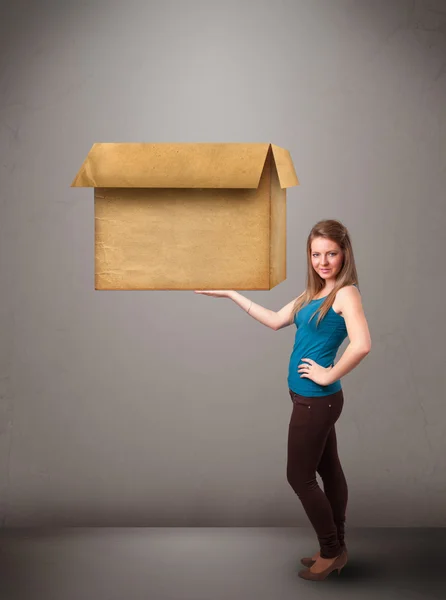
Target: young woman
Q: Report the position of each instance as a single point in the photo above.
(328, 311)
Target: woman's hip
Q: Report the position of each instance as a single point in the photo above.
(316, 411)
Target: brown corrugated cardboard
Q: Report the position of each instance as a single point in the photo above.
(188, 216)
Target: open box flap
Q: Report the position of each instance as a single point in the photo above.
(181, 165)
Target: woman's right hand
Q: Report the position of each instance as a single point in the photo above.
(216, 293)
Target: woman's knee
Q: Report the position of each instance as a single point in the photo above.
(293, 478)
(330, 471)
(301, 482)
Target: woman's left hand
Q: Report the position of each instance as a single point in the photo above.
(315, 372)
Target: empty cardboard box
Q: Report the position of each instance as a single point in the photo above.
(188, 216)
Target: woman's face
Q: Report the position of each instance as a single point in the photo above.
(326, 258)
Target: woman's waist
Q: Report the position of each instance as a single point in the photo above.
(302, 397)
(324, 357)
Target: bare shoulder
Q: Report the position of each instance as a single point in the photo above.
(349, 292)
(347, 296)
(349, 299)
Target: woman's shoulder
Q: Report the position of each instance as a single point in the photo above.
(348, 293)
(350, 288)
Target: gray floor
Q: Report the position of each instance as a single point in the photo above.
(214, 564)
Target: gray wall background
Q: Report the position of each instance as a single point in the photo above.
(170, 408)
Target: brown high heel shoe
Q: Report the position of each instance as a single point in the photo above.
(308, 561)
(338, 565)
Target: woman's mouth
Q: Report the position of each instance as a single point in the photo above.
(325, 270)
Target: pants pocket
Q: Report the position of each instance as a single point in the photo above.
(334, 407)
(302, 412)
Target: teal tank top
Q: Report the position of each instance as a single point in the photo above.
(320, 344)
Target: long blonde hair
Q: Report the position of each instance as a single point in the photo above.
(336, 232)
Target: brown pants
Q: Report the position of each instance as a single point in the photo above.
(312, 447)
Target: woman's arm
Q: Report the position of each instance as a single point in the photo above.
(270, 318)
(259, 313)
(349, 300)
